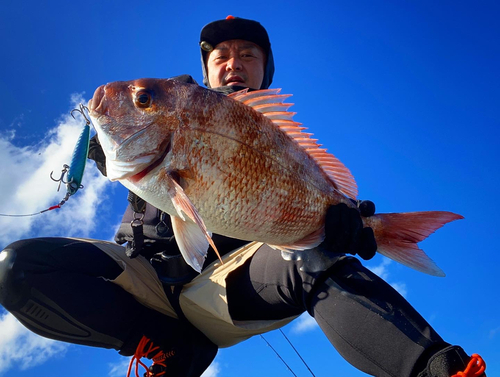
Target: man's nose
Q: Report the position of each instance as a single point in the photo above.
(234, 64)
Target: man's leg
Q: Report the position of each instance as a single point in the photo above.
(366, 320)
(61, 289)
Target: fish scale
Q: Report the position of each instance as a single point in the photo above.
(252, 199)
(239, 166)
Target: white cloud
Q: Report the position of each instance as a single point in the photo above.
(20, 347)
(119, 368)
(27, 188)
(382, 270)
(212, 371)
(303, 324)
(494, 332)
(400, 287)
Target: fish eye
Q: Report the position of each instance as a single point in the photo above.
(143, 99)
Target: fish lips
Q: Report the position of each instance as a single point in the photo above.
(95, 103)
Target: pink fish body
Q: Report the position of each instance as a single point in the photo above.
(238, 166)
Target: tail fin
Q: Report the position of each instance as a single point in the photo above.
(397, 235)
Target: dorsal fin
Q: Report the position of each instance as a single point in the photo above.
(270, 104)
(238, 94)
(249, 95)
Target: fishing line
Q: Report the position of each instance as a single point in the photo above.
(297, 352)
(277, 354)
(72, 172)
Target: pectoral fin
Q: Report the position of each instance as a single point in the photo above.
(191, 241)
(192, 238)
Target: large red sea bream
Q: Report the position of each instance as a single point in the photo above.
(238, 166)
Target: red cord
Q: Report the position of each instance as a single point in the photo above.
(475, 368)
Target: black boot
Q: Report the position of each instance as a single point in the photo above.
(454, 362)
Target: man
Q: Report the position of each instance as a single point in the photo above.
(101, 294)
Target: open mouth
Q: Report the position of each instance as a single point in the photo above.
(234, 80)
(137, 177)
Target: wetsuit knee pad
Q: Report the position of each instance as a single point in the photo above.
(313, 261)
(449, 361)
(12, 291)
(39, 313)
(315, 266)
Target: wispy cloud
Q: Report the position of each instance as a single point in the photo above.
(213, 370)
(304, 324)
(382, 270)
(494, 332)
(400, 287)
(20, 348)
(119, 368)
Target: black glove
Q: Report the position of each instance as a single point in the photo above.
(344, 232)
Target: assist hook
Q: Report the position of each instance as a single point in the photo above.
(82, 111)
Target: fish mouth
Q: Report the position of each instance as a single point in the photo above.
(137, 177)
(95, 104)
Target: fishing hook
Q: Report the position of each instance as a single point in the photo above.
(61, 178)
(82, 110)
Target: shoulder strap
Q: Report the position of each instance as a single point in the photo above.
(138, 204)
(134, 248)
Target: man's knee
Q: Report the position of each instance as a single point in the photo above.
(21, 295)
(18, 260)
(10, 280)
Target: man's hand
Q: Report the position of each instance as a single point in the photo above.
(344, 232)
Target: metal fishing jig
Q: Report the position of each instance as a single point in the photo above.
(72, 174)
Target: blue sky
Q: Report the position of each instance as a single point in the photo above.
(406, 94)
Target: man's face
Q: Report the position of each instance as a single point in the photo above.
(236, 62)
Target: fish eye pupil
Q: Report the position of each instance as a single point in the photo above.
(143, 99)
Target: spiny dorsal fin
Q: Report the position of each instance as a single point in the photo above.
(270, 104)
(249, 95)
